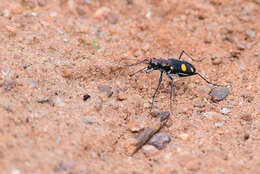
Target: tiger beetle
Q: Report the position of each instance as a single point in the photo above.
(173, 68)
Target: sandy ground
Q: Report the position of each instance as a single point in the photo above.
(54, 52)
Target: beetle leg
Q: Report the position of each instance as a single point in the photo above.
(183, 52)
(207, 80)
(171, 95)
(159, 83)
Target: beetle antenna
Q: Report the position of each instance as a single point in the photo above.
(137, 63)
(137, 71)
(207, 80)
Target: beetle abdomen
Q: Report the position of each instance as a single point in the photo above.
(181, 67)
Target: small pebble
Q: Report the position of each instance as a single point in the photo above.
(60, 102)
(129, 2)
(53, 14)
(9, 84)
(80, 11)
(112, 19)
(33, 14)
(235, 54)
(6, 13)
(248, 98)
(98, 104)
(229, 37)
(25, 66)
(160, 140)
(199, 104)
(37, 52)
(93, 154)
(63, 166)
(212, 115)
(136, 127)
(102, 13)
(241, 46)
(16, 171)
(6, 106)
(225, 110)
(46, 100)
(41, 3)
(89, 120)
(216, 61)
(107, 89)
(86, 97)
(149, 150)
(145, 47)
(218, 124)
(219, 94)
(121, 97)
(29, 4)
(65, 40)
(247, 117)
(208, 40)
(185, 136)
(10, 29)
(148, 14)
(250, 34)
(246, 136)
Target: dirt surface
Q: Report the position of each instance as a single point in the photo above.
(68, 106)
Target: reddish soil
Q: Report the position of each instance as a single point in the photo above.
(54, 52)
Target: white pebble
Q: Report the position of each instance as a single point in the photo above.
(15, 171)
(225, 110)
(218, 124)
(59, 102)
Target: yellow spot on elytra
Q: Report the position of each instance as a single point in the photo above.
(183, 67)
(171, 67)
(192, 70)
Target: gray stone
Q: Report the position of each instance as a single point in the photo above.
(107, 89)
(160, 140)
(89, 120)
(219, 94)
